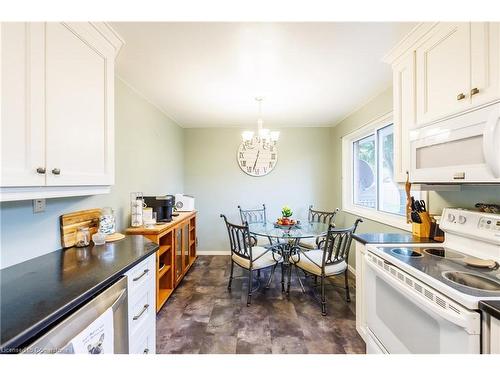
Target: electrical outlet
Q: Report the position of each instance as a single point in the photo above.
(38, 205)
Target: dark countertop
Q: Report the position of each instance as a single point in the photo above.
(491, 307)
(39, 292)
(383, 238)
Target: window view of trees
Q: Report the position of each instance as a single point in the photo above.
(373, 163)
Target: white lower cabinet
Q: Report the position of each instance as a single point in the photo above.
(491, 334)
(142, 307)
(495, 336)
(360, 304)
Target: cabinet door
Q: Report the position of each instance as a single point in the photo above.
(443, 72)
(178, 255)
(79, 106)
(22, 108)
(185, 247)
(404, 113)
(485, 65)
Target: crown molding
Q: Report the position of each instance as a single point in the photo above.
(408, 41)
(110, 34)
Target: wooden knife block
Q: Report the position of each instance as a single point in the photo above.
(422, 229)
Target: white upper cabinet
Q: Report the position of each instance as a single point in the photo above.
(485, 66)
(442, 71)
(22, 131)
(446, 86)
(57, 102)
(404, 112)
(79, 105)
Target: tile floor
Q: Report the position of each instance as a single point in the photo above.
(201, 316)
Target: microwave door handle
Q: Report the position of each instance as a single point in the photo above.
(423, 303)
(491, 143)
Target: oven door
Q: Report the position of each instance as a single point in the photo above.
(463, 149)
(406, 316)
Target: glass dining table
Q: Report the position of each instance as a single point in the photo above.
(285, 239)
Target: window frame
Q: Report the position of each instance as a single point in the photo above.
(348, 205)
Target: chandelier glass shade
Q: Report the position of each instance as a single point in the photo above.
(263, 137)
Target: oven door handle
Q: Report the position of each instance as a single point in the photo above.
(423, 302)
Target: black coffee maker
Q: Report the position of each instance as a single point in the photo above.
(163, 206)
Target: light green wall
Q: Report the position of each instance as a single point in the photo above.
(301, 177)
(380, 105)
(148, 157)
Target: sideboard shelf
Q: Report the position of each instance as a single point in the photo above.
(176, 254)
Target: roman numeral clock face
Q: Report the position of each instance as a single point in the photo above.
(257, 161)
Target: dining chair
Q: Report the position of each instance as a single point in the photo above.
(329, 261)
(249, 257)
(251, 216)
(315, 216)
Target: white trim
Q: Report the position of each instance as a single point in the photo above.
(363, 104)
(347, 170)
(217, 252)
(352, 270)
(26, 193)
(380, 217)
(146, 98)
(408, 41)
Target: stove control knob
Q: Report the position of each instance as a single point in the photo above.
(462, 219)
(451, 218)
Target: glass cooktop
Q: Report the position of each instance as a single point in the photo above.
(448, 267)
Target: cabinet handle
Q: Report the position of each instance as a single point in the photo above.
(146, 351)
(460, 96)
(474, 91)
(40, 170)
(142, 312)
(56, 171)
(142, 274)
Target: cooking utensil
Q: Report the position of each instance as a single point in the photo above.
(480, 263)
(420, 206)
(74, 220)
(408, 199)
(415, 217)
(114, 237)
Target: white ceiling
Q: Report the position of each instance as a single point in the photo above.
(208, 74)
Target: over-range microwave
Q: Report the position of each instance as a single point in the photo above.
(462, 149)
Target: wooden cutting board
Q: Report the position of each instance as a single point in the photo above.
(72, 221)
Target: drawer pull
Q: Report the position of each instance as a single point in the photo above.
(460, 96)
(56, 171)
(40, 170)
(142, 312)
(146, 351)
(142, 274)
(474, 91)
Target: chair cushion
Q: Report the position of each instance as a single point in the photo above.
(317, 257)
(308, 243)
(265, 260)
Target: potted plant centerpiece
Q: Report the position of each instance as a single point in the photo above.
(285, 219)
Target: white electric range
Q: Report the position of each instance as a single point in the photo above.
(424, 298)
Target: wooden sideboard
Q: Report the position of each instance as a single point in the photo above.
(176, 254)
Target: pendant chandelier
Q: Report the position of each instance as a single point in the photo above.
(264, 137)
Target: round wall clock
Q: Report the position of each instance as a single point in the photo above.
(257, 160)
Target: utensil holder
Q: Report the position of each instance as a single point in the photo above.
(422, 229)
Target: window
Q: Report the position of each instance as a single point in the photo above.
(369, 189)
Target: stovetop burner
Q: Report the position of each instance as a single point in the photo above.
(406, 252)
(443, 253)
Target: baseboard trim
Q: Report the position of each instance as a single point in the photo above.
(219, 252)
(351, 269)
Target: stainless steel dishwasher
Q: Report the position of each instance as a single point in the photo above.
(86, 330)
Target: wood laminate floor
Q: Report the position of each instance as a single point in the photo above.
(202, 316)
